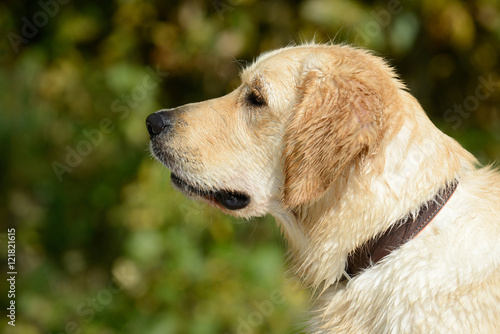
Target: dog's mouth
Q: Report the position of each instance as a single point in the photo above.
(231, 200)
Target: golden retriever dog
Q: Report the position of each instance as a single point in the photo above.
(389, 221)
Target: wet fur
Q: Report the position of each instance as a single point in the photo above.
(340, 152)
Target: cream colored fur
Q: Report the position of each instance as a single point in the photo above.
(339, 153)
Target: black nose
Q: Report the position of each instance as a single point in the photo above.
(158, 122)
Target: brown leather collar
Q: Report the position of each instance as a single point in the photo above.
(374, 250)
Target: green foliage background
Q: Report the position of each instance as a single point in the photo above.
(109, 246)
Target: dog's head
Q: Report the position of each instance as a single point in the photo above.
(301, 117)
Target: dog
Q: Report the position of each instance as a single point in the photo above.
(393, 225)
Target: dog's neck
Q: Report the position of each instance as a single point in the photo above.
(375, 249)
(364, 203)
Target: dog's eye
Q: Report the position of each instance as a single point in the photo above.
(255, 98)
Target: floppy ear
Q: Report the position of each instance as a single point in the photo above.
(337, 119)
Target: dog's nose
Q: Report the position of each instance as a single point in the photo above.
(158, 122)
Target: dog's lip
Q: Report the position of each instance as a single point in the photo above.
(230, 200)
(189, 189)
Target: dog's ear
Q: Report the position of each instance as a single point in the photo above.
(336, 120)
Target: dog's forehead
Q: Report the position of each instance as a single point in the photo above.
(277, 63)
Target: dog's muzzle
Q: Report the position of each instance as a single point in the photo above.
(160, 124)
